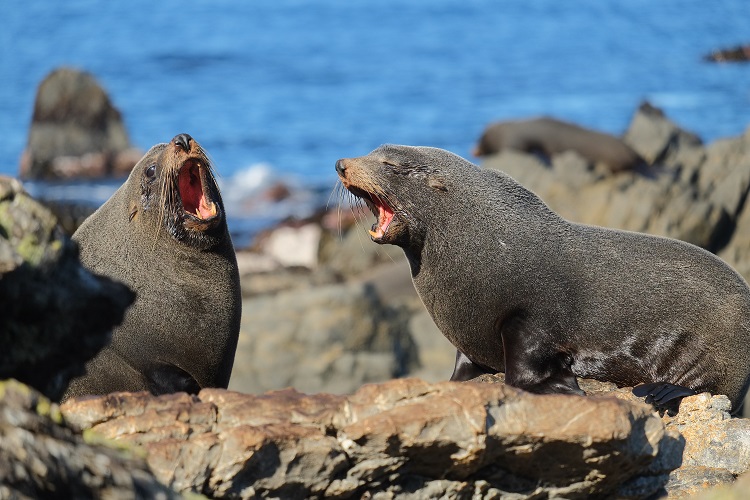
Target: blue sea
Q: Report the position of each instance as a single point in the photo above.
(281, 89)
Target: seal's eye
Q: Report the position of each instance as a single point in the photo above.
(151, 172)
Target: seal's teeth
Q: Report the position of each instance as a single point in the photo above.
(206, 209)
(374, 234)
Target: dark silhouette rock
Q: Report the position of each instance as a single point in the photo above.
(740, 53)
(54, 314)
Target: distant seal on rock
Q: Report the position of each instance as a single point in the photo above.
(548, 136)
(164, 234)
(518, 289)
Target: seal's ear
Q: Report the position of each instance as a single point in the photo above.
(133, 211)
(437, 182)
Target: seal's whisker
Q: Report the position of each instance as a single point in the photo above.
(343, 192)
(359, 218)
(334, 191)
(339, 190)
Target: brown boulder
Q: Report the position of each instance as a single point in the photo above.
(404, 438)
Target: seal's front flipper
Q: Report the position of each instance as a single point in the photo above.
(165, 378)
(466, 369)
(533, 363)
(663, 395)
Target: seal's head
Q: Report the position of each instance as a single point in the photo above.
(177, 192)
(402, 185)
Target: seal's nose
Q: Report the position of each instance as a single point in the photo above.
(340, 167)
(183, 141)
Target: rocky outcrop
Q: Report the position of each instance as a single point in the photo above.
(54, 314)
(75, 131)
(740, 53)
(691, 192)
(41, 457)
(400, 439)
(717, 447)
(338, 337)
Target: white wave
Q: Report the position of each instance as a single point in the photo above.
(247, 182)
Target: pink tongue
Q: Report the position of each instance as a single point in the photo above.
(191, 192)
(385, 216)
(205, 210)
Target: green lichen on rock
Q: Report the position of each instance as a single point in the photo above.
(31, 399)
(27, 226)
(43, 457)
(54, 314)
(94, 438)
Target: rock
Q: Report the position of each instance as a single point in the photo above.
(689, 481)
(693, 193)
(736, 491)
(42, 457)
(713, 439)
(70, 214)
(313, 327)
(436, 355)
(740, 53)
(351, 252)
(657, 139)
(75, 131)
(294, 246)
(725, 173)
(334, 337)
(400, 439)
(54, 314)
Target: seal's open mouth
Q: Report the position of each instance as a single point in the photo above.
(194, 192)
(383, 212)
(379, 208)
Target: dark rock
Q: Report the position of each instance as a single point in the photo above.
(75, 131)
(54, 314)
(41, 457)
(741, 53)
(70, 214)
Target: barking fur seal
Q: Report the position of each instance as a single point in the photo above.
(164, 234)
(518, 289)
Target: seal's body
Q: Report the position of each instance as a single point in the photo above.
(516, 288)
(549, 137)
(164, 234)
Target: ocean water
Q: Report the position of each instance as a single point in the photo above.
(281, 89)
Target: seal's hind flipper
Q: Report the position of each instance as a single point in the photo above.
(466, 369)
(663, 395)
(165, 378)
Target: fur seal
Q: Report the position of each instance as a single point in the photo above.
(548, 136)
(164, 234)
(516, 288)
